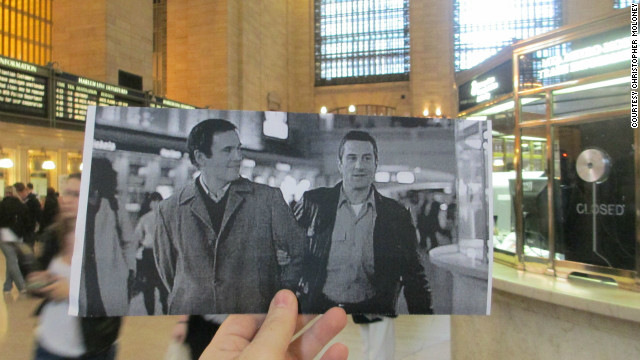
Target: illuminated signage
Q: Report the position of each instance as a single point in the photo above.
(103, 86)
(160, 103)
(25, 89)
(586, 58)
(176, 104)
(23, 93)
(487, 86)
(75, 94)
(18, 65)
(482, 89)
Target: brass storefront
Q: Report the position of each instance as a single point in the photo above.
(564, 152)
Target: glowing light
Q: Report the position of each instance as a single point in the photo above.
(283, 167)
(425, 112)
(275, 125)
(405, 177)
(6, 163)
(596, 85)
(248, 163)
(323, 110)
(438, 111)
(506, 106)
(352, 108)
(48, 165)
(383, 177)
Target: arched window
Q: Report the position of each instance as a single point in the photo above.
(480, 30)
(361, 41)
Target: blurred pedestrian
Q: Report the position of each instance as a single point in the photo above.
(147, 274)
(60, 336)
(35, 211)
(50, 209)
(14, 224)
(109, 249)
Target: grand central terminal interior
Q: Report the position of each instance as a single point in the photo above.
(555, 179)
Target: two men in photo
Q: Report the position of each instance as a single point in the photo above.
(224, 244)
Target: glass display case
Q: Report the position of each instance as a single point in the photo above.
(565, 159)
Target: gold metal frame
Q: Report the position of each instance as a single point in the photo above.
(626, 279)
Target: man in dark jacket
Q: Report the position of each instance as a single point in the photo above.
(35, 210)
(362, 244)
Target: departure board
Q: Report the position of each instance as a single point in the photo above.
(75, 94)
(23, 88)
(166, 103)
(27, 89)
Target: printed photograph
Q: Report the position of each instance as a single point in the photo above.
(212, 212)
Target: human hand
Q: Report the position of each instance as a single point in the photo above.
(269, 338)
(179, 333)
(57, 290)
(37, 280)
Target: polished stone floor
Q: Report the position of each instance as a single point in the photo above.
(144, 337)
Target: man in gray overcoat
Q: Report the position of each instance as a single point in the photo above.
(225, 244)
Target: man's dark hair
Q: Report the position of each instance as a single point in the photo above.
(30, 186)
(19, 187)
(357, 135)
(201, 136)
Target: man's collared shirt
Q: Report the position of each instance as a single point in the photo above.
(217, 196)
(350, 264)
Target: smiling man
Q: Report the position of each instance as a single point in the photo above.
(221, 240)
(362, 244)
(362, 249)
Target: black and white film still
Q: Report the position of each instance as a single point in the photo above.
(208, 211)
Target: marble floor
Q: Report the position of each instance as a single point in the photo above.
(144, 337)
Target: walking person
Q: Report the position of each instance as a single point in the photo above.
(145, 265)
(60, 336)
(14, 225)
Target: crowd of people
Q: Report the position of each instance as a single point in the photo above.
(223, 244)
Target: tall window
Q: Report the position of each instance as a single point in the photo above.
(361, 41)
(482, 28)
(621, 4)
(25, 30)
(160, 47)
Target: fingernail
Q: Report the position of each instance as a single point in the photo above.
(282, 300)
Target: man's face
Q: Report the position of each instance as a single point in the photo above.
(23, 194)
(226, 157)
(357, 165)
(69, 199)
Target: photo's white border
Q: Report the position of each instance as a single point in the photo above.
(77, 294)
(78, 249)
(489, 201)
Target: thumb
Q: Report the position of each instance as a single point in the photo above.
(275, 334)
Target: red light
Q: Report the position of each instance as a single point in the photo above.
(564, 154)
